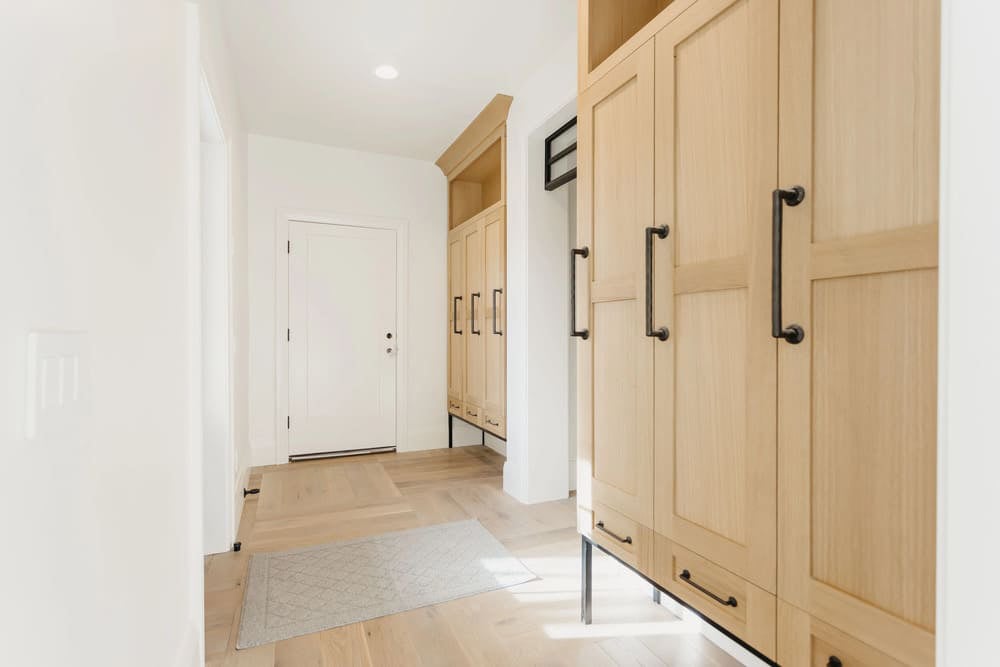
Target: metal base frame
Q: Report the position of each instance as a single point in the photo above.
(586, 595)
(451, 431)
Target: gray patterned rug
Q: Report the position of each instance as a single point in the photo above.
(292, 593)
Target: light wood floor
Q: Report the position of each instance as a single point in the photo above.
(536, 623)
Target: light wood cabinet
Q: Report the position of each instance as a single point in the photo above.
(615, 364)
(747, 167)
(475, 165)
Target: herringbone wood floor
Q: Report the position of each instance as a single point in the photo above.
(536, 623)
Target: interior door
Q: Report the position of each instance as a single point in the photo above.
(342, 338)
(615, 362)
(457, 329)
(495, 396)
(716, 159)
(857, 398)
(475, 346)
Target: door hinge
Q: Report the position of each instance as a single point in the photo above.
(289, 247)
(288, 422)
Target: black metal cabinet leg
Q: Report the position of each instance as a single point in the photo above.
(587, 558)
(656, 595)
(450, 428)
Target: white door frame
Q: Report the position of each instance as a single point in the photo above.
(281, 236)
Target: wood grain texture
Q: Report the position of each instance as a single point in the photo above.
(475, 302)
(536, 623)
(857, 399)
(495, 271)
(804, 640)
(492, 115)
(716, 101)
(456, 341)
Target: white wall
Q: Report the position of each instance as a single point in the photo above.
(537, 278)
(218, 70)
(287, 176)
(969, 433)
(101, 560)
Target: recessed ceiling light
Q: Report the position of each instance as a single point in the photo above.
(386, 72)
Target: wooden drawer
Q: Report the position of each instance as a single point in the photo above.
(495, 424)
(473, 414)
(742, 608)
(625, 538)
(804, 640)
(455, 407)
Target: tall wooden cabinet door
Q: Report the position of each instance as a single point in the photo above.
(716, 165)
(857, 397)
(456, 321)
(615, 363)
(475, 345)
(495, 398)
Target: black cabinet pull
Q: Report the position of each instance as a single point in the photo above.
(585, 253)
(834, 661)
(454, 315)
(496, 312)
(661, 232)
(779, 199)
(686, 577)
(624, 540)
(472, 307)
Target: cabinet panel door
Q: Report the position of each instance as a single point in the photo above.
(456, 321)
(716, 165)
(615, 364)
(475, 347)
(857, 398)
(495, 398)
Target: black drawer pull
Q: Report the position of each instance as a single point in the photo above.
(454, 315)
(573, 331)
(661, 232)
(491, 422)
(834, 661)
(731, 602)
(624, 540)
(471, 413)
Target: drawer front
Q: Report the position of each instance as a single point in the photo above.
(455, 407)
(625, 538)
(473, 414)
(746, 610)
(804, 640)
(495, 424)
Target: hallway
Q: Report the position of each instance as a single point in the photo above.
(532, 624)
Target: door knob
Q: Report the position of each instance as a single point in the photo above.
(388, 350)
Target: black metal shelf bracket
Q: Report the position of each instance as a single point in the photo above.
(552, 158)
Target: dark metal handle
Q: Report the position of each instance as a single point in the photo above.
(495, 311)
(625, 540)
(472, 307)
(662, 333)
(585, 253)
(454, 315)
(731, 602)
(834, 661)
(491, 422)
(793, 333)
(471, 413)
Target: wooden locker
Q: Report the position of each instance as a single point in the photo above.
(857, 397)
(615, 363)
(475, 346)
(456, 322)
(716, 160)
(495, 270)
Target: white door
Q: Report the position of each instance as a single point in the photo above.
(342, 338)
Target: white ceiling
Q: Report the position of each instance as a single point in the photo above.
(304, 67)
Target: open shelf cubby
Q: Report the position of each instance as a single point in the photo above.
(612, 22)
(477, 187)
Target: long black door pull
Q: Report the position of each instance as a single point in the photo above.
(454, 315)
(496, 313)
(660, 232)
(576, 252)
(472, 323)
(793, 333)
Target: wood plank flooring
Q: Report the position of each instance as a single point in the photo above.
(536, 623)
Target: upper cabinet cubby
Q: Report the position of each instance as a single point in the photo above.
(477, 187)
(476, 162)
(606, 25)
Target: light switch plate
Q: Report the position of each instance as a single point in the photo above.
(58, 392)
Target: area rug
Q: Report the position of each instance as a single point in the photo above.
(292, 593)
